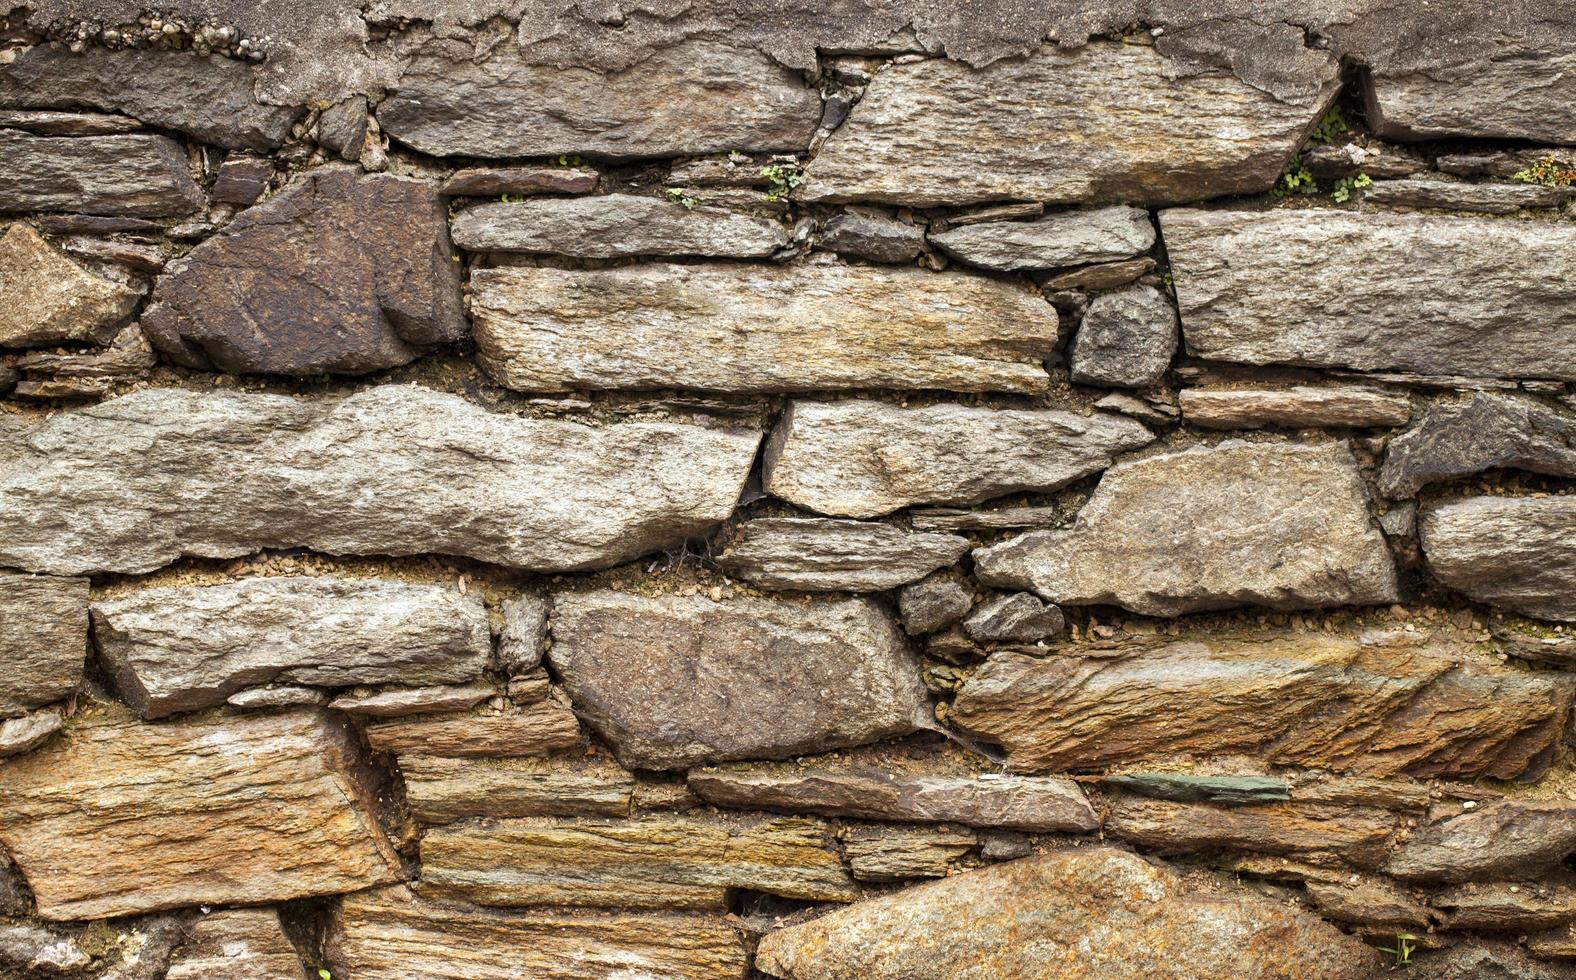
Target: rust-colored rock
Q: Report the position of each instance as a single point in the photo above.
(1358, 835)
(49, 299)
(536, 729)
(1509, 839)
(442, 790)
(893, 853)
(236, 944)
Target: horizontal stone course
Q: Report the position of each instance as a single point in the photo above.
(613, 226)
(831, 555)
(135, 175)
(1514, 552)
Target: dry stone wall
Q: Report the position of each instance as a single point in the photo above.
(904, 490)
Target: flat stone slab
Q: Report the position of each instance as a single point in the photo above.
(758, 328)
(1296, 407)
(672, 682)
(867, 458)
(122, 818)
(1513, 552)
(1219, 790)
(43, 640)
(236, 944)
(494, 181)
(1064, 239)
(136, 175)
(1528, 97)
(182, 648)
(614, 226)
(50, 299)
(136, 482)
(1272, 524)
(1102, 122)
(1281, 287)
(536, 729)
(401, 701)
(1493, 430)
(817, 554)
(1453, 195)
(443, 790)
(1510, 840)
(1358, 835)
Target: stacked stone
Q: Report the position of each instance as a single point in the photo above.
(626, 501)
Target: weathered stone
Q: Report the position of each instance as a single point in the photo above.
(1526, 97)
(873, 784)
(1515, 552)
(24, 734)
(650, 862)
(867, 458)
(821, 554)
(999, 519)
(137, 175)
(180, 648)
(443, 790)
(1095, 912)
(1378, 705)
(1063, 239)
(1219, 790)
(1510, 839)
(1534, 642)
(1555, 944)
(1107, 275)
(1494, 430)
(401, 701)
(390, 934)
(1126, 339)
(690, 99)
(523, 636)
(1460, 196)
(336, 273)
(277, 696)
(236, 944)
(1274, 524)
(1016, 617)
(726, 328)
(536, 729)
(1297, 407)
(871, 236)
(242, 180)
(50, 299)
(1502, 163)
(886, 853)
(36, 952)
(495, 181)
(1277, 287)
(1392, 794)
(1011, 211)
(1377, 160)
(1479, 960)
(43, 640)
(46, 123)
(675, 681)
(342, 127)
(1502, 906)
(212, 99)
(134, 483)
(614, 226)
(932, 604)
(1369, 902)
(119, 817)
(1358, 835)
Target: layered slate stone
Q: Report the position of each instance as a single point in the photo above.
(1017, 617)
(730, 328)
(895, 853)
(934, 603)
(136, 482)
(1515, 552)
(535, 729)
(398, 702)
(1375, 705)
(871, 236)
(1095, 912)
(1187, 788)
(43, 640)
(1513, 839)
(135, 175)
(390, 934)
(1278, 287)
(28, 732)
(212, 99)
(120, 817)
(657, 861)
(1494, 430)
(1494, 906)
(613, 226)
(442, 790)
(236, 944)
(1462, 196)
(868, 458)
(180, 648)
(336, 273)
(1100, 122)
(1296, 407)
(831, 555)
(1527, 97)
(690, 99)
(50, 299)
(490, 181)
(1358, 835)
(674, 681)
(1067, 238)
(1274, 524)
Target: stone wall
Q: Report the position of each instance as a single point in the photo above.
(917, 490)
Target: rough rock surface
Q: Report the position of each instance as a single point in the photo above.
(613, 226)
(442, 790)
(1016, 617)
(1367, 901)
(1515, 552)
(336, 273)
(1358, 835)
(492, 181)
(28, 732)
(1512, 839)
(1527, 97)
(537, 729)
(867, 458)
(732, 327)
(43, 640)
(180, 648)
(134, 483)
(1278, 287)
(890, 853)
(1061, 125)
(1300, 406)
(1376, 705)
(689, 99)
(1461, 196)
(657, 861)
(811, 553)
(236, 944)
(135, 175)
(1126, 339)
(873, 237)
(1220, 790)
(1062, 239)
(523, 635)
(1273, 524)
(1492, 431)
(677, 681)
(1095, 912)
(118, 817)
(401, 701)
(1495, 906)
(932, 604)
(50, 299)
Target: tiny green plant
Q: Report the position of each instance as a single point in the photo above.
(783, 177)
(1547, 172)
(511, 198)
(569, 160)
(1295, 179)
(679, 197)
(1331, 125)
(324, 975)
(1344, 187)
(1405, 946)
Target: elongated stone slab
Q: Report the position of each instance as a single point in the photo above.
(867, 458)
(615, 225)
(1358, 835)
(390, 934)
(894, 853)
(136, 482)
(443, 790)
(178, 649)
(1492, 431)
(678, 862)
(814, 553)
(1218, 790)
(43, 640)
(536, 729)
(752, 328)
(1300, 406)
(1514, 552)
(1528, 97)
(674, 681)
(1101, 122)
(690, 99)
(1276, 287)
(398, 702)
(1280, 525)
(1376, 705)
(1090, 912)
(1067, 238)
(1513, 839)
(135, 175)
(50, 299)
(119, 817)
(236, 944)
